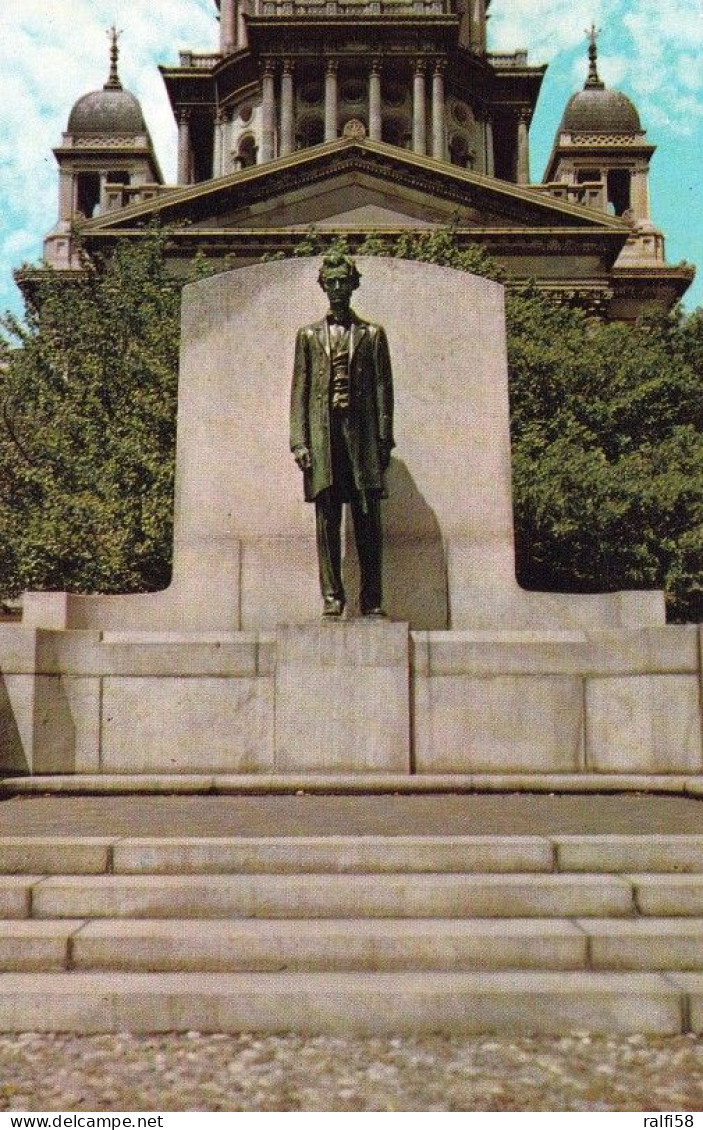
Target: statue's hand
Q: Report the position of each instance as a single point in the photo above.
(302, 457)
(384, 450)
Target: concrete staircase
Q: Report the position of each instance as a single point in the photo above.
(358, 934)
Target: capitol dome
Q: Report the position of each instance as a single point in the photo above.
(106, 112)
(109, 112)
(595, 109)
(598, 110)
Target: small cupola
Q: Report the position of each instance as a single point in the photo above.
(110, 112)
(106, 156)
(596, 109)
(600, 149)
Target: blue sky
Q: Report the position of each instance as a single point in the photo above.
(52, 51)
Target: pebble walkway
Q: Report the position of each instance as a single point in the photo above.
(290, 1073)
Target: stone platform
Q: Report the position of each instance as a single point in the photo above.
(356, 697)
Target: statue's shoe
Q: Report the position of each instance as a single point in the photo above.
(374, 613)
(332, 606)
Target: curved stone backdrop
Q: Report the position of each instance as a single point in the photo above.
(245, 555)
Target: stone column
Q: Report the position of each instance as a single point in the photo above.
(375, 122)
(287, 144)
(639, 193)
(218, 146)
(439, 144)
(229, 137)
(242, 11)
(523, 146)
(490, 161)
(228, 26)
(331, 100)
(419, 110)
(268, 112)
(184, 147)
(480, 18)
(65, 195)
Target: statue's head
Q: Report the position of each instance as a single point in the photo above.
(339, 277)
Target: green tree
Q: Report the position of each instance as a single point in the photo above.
(607, 452)
(88, 428)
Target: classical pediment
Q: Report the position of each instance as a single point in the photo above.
(373, 215)
(357, 185)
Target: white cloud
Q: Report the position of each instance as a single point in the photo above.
(546, 27)
(653, 47)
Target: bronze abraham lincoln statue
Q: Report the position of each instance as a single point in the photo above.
(341, 433)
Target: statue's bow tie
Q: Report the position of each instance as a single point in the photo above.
(340, 324)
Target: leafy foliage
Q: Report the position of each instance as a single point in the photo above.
(607, 452)
(436, 246)
(87, 433)
(606, 429)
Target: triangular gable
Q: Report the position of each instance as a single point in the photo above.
(325, 184)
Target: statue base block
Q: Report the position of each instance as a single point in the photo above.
(353, 698)
(342, 697)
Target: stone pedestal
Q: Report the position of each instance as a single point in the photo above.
(342, 698)
(352, 698)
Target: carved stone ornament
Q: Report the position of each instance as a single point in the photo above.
(355, 130)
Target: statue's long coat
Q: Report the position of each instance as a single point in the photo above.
(370, 408)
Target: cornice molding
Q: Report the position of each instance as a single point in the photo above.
(320, 162)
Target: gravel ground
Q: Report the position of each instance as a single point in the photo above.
(288, 1073)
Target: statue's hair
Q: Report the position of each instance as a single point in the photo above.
(336, 259)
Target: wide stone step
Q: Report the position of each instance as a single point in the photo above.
(644, 943)
(612, 854)
(335, 854)
(355, 1004)
(271, 945)
(618, 945)
(331, 896)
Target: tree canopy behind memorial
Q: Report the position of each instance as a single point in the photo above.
(88, 429)
(606, 422)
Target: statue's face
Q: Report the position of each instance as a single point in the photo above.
(339, 288)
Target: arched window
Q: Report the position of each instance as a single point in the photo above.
(619, 190)
(246, 152)
(459, 151)
(310, 131)
(87, 194)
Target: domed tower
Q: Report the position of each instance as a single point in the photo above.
(294, 74)
(105, 156)
(600, 145)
